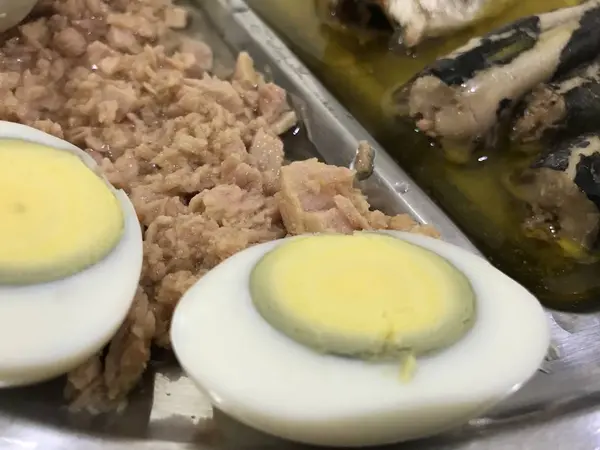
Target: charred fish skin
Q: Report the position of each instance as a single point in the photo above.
(564, 108)
(579, 160)
(503, 45)
(461, 98)
(461, 66)
(562, 190)
(588, 177)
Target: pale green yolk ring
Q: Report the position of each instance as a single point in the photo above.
(58, 216)
(366, 295)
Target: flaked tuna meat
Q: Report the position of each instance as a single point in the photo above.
(199, 156)
(267, 151)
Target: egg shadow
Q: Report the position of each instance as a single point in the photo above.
(44, 404)
(235, 435)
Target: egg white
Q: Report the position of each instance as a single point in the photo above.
(50, 328)
(264, 379)
(13, 12)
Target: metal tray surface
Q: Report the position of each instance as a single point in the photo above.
(556, 410)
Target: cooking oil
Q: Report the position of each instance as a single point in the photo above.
(361, 70)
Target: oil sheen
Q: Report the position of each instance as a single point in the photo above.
(361, 71)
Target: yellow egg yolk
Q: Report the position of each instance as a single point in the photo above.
(365, 294)
(58, 216)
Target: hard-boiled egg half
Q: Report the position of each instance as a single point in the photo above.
(353, 340)
(70, 256)
(12, 12)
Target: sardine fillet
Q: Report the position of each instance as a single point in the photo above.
(420, 19)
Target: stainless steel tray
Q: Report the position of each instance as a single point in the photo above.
(556, 410)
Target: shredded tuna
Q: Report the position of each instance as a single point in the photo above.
(199, 156)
